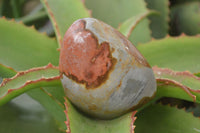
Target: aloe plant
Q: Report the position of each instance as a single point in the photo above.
(32, 98)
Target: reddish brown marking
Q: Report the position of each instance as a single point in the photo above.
(82, 58)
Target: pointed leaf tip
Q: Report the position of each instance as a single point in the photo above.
(133, 118)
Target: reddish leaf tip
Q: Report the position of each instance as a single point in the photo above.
(168, 36)
(133, 118)
(183, 34)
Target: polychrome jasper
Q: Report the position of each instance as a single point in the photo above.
(103, 74)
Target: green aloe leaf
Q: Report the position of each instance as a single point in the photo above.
(165, 119)
(57, 92)
(63, 13)
(6, 72)
(197, 74)
(183, 85)
(22, 48)
(24, 115)
(177, 53)
(27, 49)
(79, 123)
(50, 98)
(129, 25)
(185, 18)
(52, 105)
(115, 12)
(159, 23)
(23, 81)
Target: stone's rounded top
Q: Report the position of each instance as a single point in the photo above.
(107, 33)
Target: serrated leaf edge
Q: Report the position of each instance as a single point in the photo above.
(133, 118)
(166, 81)
(52, 97)
(169, 37)
(143, 15)
(159, 70)
(9, 68)
(7, 80)
(176, 106)
(68, 130)
(59, 38)
(167, 18)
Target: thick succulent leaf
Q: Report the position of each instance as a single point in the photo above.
(53, 106)
(63, 13)
(165, 119)
(159, 23)
(22, 48)
(23, 81)
(115, 12)
(177, 53)
(77, 122)
(185, 18)
(57, 92)
(197, 74)
(50, 97)
(6, 72)
(26, 49)
(182, 85)
(128, 26)
(24, 115)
